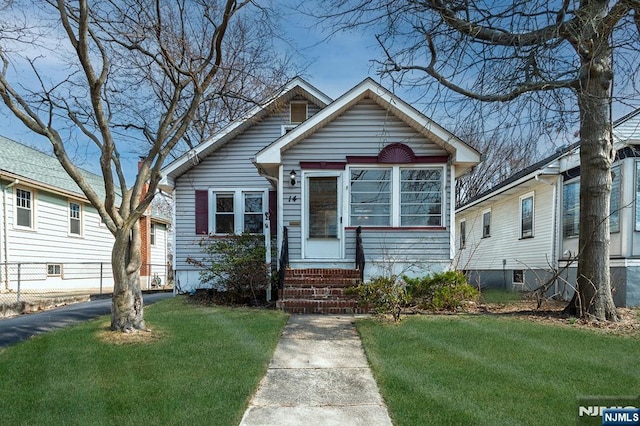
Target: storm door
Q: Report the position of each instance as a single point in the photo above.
(324, 228)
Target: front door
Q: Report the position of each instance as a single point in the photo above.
(323, 220)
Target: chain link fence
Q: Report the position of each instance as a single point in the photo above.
(30, 286)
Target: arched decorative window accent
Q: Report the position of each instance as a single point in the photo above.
(396, 153)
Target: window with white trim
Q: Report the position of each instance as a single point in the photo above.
(75, 219)
(24, 208)
(235, 212)
(54, 270)
(526, 216)
(486, 224)
(463, 233)
(571, 209)
(396, 196)
(614, 203)
(152, 234)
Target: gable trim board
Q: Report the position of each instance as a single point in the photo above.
(191, 158)
(368, 129)
(463, 155)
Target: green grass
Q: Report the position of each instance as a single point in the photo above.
(484, 370)
(202, 370)
(500, 296)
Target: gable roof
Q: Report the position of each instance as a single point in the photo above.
(35, 168)
(189, 159)
(463, 155)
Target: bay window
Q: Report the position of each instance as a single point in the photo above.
(396, 196)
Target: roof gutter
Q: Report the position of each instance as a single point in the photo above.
(40, 185)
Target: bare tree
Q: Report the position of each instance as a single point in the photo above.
(501, 158)
(556, 58)
(137, 74)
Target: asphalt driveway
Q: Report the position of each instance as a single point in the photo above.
(15, 329)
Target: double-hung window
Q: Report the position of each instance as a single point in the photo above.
(396, 196)
(526, 216)
(486, 224)
(614, 204)
(24, 208)
(75, 219)
(235, 212)
(571, 209)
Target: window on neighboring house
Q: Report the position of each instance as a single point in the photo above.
(463, 233)
(54, 270)
(526, 216)
(614, 205)
(518, 276)
(24, 208)
(298, 112)
(75, 219)
(637, 195)
(486, 224)
(224, 215)
(152, 234)
(571, 209)
(396, 196)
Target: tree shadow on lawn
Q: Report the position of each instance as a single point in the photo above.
(551, 312)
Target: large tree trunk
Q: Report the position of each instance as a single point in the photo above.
(127, 312)
(593, 298)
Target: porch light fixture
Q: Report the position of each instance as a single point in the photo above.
(292, 177)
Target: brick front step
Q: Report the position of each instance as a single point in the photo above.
(321, 282)
(305, 306)
(319, 291)
(292, 292)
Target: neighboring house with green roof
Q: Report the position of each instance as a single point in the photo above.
(47, 225)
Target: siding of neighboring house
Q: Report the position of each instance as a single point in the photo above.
(493, 259)
(49, 241)
(229, 167)
(364, 130)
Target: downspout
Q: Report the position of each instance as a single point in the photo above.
(4, 233)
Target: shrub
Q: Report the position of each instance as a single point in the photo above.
(442, 291)
(385, 295)
(234, 265)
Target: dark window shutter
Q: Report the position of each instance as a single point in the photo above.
(273, 212)
(202, 212)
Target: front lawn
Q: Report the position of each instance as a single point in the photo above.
(202, 368)
(492, 370)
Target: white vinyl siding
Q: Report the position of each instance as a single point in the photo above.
(43, 243)
(506, 243)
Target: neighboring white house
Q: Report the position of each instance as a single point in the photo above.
(322, 169)
(517, 233)
(51, 238)
(49, 233)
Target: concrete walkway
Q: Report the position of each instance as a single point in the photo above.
(319, 375)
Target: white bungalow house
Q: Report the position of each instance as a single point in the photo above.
(514, 235)
(312, 172)
(51, 238)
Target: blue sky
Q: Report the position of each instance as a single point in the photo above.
(333, 65)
